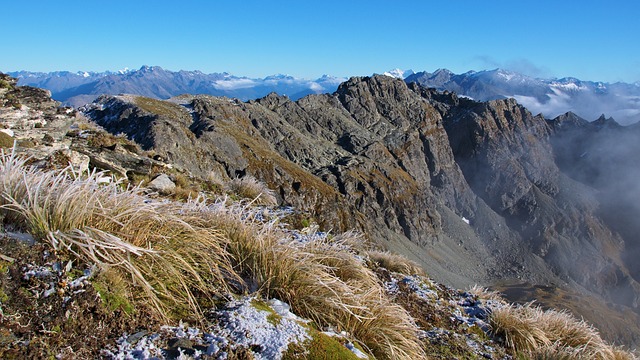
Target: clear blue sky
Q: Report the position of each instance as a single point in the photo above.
(591, 40)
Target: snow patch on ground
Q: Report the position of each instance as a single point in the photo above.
(241, 324)
(249, 327)
(417, 285)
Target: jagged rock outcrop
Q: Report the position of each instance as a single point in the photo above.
(50, 134)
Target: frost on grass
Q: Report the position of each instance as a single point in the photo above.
(267, 330)
(418, 285)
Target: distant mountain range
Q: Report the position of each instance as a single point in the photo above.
(551, 97)
(79, 88)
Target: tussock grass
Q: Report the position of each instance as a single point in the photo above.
(176, 257)
(486, 294)
(323, 280)
(395, 262)
(167, 259)
(249, 187)
(550, 334)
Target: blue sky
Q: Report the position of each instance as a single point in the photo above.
(590, 40)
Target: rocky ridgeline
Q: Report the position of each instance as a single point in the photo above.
(55, 136)
(472, 191)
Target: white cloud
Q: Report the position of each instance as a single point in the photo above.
(557, 104)
(234, 84)
(316, 87)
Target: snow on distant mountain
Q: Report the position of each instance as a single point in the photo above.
(398, 73)
(551, 97)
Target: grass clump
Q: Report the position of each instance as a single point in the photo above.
(551, 334)
(322, 280)
(394, 262)
(486, 294)
(167, 261)
(251, 188)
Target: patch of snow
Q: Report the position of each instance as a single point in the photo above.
(398, 73)
(418, 286)
(505, 75)
(466, 220)
(249, 327)
(283, 309)
(392, 287)
(356, 351)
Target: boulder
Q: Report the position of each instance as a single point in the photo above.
(162, 184)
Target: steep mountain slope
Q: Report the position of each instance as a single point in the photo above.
(469, 190)
(602, 154)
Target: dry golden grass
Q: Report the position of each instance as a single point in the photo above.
(177, 256)
(394, 262)
(486, 294)
(168, 259)
(249, 187)
(550, 334)
(322, 280)
(215, 178)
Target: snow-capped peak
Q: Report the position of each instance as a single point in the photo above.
(506, 74)
(398, 73)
